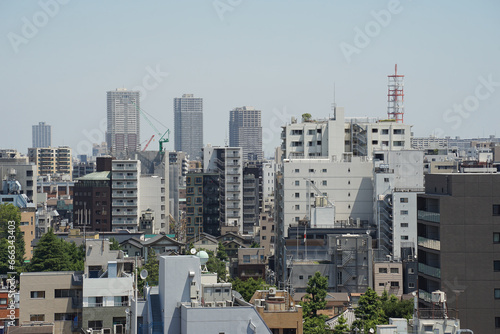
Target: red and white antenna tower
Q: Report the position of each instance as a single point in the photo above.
(396, 96)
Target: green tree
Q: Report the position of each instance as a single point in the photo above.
(369, 312)
(315, 300)
(115, 245)
(153, 268)
(341, 326)
(216, 265)
(395, 308)
(255, 245)
(248, 287)
(306, 117)
(54, 254)
(11, 239)
(221, 252)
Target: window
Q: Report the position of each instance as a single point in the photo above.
(394, 284)
(404, 212)
(37, 317)
(311, 170)
(496, 265)
(301, 277)
(318, 142)
(497, 293)
(264, 227)
(398, 131)
(398, 143)
(310, 143)
(3, 301)
(374, 130)
(324, 182)
(411, 271)
(37, 294)
(411, 285)
(496, 237)
(310, 132)
(263, 237)
(497, 322)
(385, 131)
(403, 200)
(297, 170)
(386, 179)
(297, 207)
(297, 195)
(297, 183)
(95, 324)
(64, 316)
(404, 224)
(374, 142)
(246, 258)
(394, 270)
(381, 284)
(65, 293)
(404, 237)
(496, 209)
(324, 170)
(382, 270)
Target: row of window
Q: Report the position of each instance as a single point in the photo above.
(311, 170)
(58, 293)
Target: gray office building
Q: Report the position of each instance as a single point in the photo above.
(123, 132)
(245, 131)
(42, 135)
(188, 125)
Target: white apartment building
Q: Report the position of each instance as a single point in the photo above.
(228, 162)
(153, 197)
(346, 183)
(125, 190)
(268, 172)
(398, 178)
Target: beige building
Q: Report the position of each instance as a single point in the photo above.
(27, 227)
(267, 233)
(53, 297)
(388, 276)
(51, 160)
(278, 310)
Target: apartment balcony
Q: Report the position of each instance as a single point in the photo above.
(429, 270)
(233, 215)
(233, 207)
(233, 164)
(232, 155)
(124, 213)
(95, 305)
(124, 195)
(120, 176)
(132, 185)
(429, 243)
(232, 172)
(123, 204)
(232, 199)
(232, 189)
(424, 295)
(230, 181)
(124, 167)
(116, 222)
(429, 216)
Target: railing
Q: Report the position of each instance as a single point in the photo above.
(429, 243)
(95, 305)
(429, 216)
(124, 204)
(124, 177)
(424, 295)
(124, 185)
(428, 270)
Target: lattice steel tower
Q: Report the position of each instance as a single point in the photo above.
(396, 96)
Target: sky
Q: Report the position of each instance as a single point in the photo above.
(58, 58)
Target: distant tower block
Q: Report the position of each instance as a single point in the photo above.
(396, 96)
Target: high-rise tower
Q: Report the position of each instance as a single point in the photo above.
(245, 131)
(42, 135)
(188, 125)
(123, 134)
(396, 96)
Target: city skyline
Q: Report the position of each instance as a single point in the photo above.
(297, 54)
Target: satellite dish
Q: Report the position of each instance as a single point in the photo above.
(144, 274)
(193, 251)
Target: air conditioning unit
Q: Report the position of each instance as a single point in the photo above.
(272, 291)
(194, 304)
(259, 302)
(209, 304)
(220, 304)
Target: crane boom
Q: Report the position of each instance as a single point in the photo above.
(149, 141)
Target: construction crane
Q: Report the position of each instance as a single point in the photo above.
(149, 141)
(162, 137)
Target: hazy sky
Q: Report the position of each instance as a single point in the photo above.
(58, 59)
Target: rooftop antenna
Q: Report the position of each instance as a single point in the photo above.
(334, 104)
(395, 96)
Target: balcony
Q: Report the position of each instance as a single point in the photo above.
(429, 243)
(233, 215)
(232, 199)
(232, 189)
(118, 195)
(95, 305)
(124, 177)
(115, 167)
(124, 213)
(124, 185)
(232, 181)
(429, 216)
(428, 270)
(122, 204)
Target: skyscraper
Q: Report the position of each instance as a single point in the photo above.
(245, 131)
(42, 135)
(123, 134)
(188, 125)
